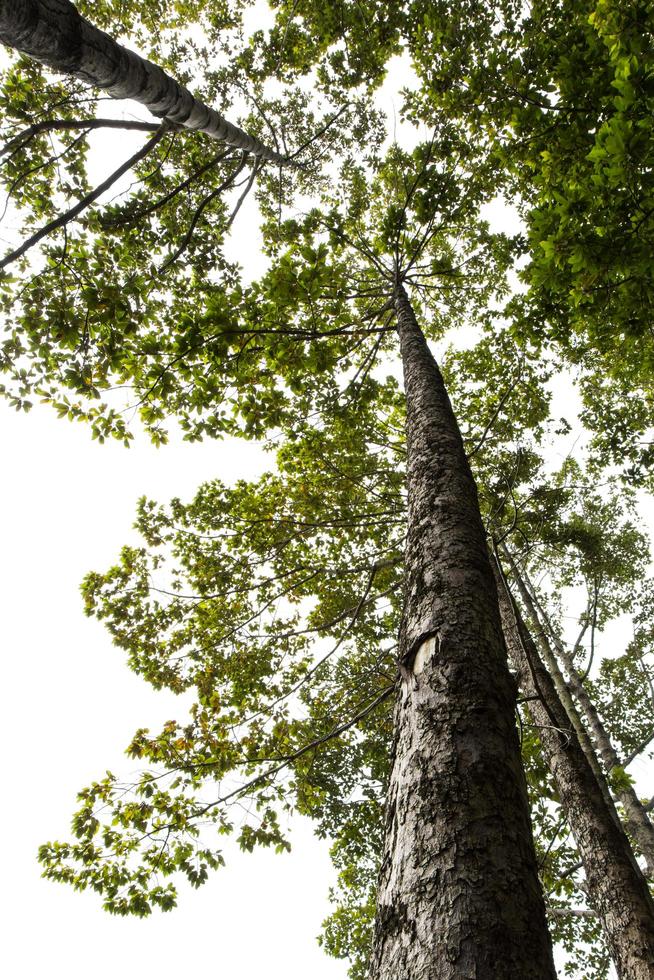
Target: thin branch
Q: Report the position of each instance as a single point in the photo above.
(502, 402)
(246, 191)
(648, 678)
(639, 748)
(49, 125)
(198, 214)
(525, 649)
(557, 831)
(363, 601)
(572, 870)
(137, 215)
(334, 733)
(560, 913)
(320, 132)
(86, 202)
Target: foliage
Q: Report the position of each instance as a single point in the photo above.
(97, 319)
(279, 662)
(277, 603)
(556, 100)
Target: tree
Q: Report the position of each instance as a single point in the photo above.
(101, 306)
(602, 843)
(334, 533)
(558, 101)
(59, 37)
(637, 820)
(500, 801)
(413, 241)
(455, 751)
(298, 288)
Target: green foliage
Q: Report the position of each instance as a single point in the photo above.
(623, 686)
(97, 320)
(277, 603)
(561, 101)
(292, 669)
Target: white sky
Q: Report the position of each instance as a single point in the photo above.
(70, 705)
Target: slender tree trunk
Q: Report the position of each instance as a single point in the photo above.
(615, 885)
(458, 895)
(636, 818)
(54, 33)
(559, 681)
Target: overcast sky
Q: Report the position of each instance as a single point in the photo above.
(70, 706)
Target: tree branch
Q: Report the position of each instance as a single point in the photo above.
(49, 125)
(86, 202)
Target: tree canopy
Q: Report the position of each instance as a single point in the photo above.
(279, 602)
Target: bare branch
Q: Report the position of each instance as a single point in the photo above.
(560, 913)
(198, 214)
(50, 125)
(636, 752)
(137, 215)
(287, 760)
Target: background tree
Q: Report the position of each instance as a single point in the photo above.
(558, 102)
(98, 323)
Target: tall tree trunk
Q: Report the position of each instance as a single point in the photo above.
(615, 885)
(458, 894)
(636, 817)
(54, 33)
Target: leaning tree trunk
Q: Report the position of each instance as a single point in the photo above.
(551, 664)
(458, 893)
(615, 885)
(636, 817)
(54, 33)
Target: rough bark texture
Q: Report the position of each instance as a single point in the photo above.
(54, 33)
(615, 885)
(636, 818)
(458, 894)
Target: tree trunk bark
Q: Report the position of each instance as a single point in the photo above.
(562, 689)
(459, 895)
(54, 33)
(615, 885)
(636, 818)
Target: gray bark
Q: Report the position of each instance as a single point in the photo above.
(458, 895)
(636, 819)
(54, 33)
(615, 885)
(562, 689)
(640, 748)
